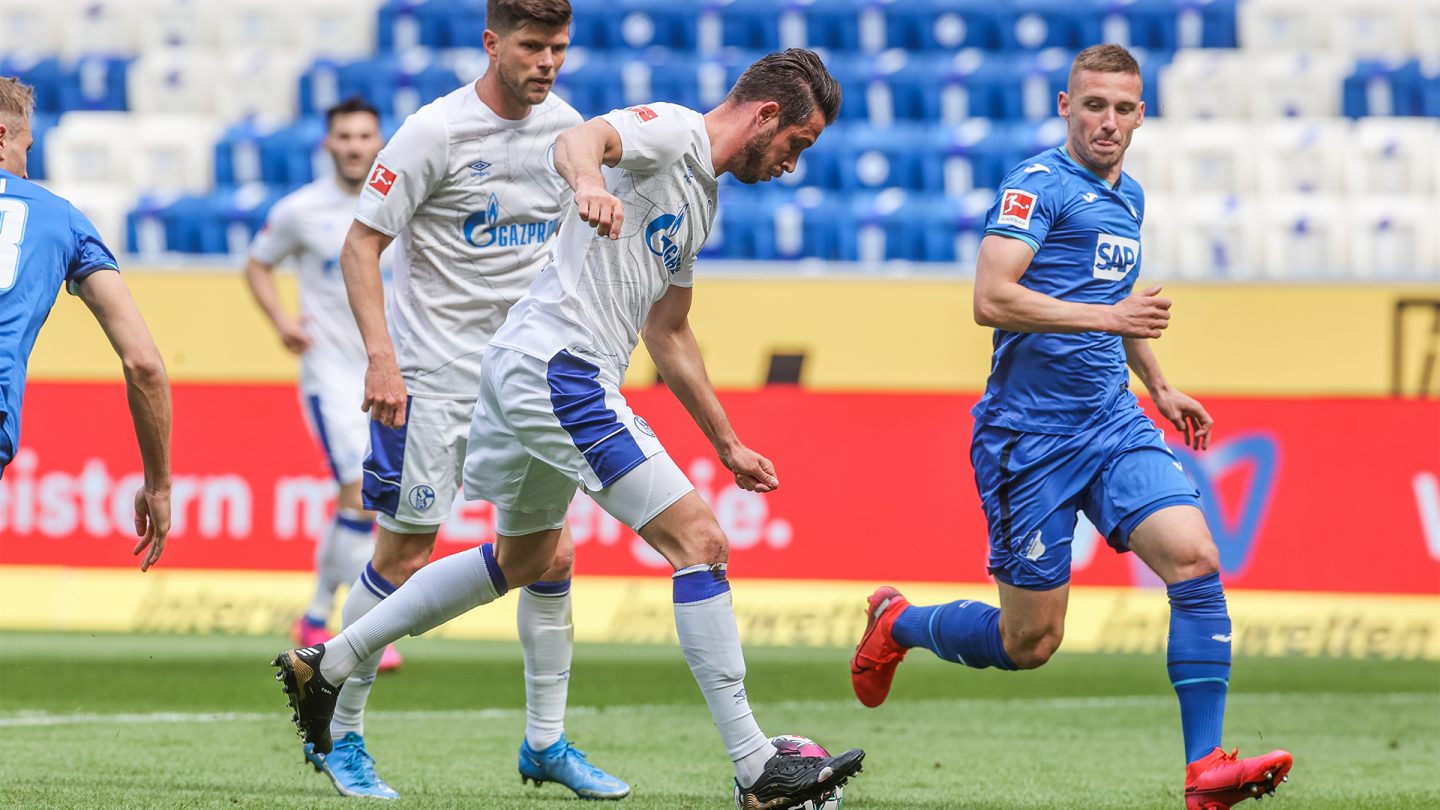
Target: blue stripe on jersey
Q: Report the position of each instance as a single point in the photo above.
(318, 416)
(384, 464)
(579, 403)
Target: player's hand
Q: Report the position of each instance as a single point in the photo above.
(152, 523)
(1141, 315)
(294, 336)
(601, 210)
(753, 472)
(384, 393)
(1188, 416)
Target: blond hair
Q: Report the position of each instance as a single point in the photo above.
(1103, 59)
(17, 101)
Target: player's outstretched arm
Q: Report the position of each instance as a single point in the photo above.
(1002, 302)
(579, 153)
(1184, 412)
(148, 390)
(677, 357)
(365, 287)
(260, 278)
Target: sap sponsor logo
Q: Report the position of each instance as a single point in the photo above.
(1016, 207)
(660, 234)
(1115, 256)
(1236, 527)
(382, 180)
(94, 502)
(484, 229)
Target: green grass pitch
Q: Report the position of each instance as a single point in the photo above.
(198, 722)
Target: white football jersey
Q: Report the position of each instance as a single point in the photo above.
(474, 202)
(309, 225)
(596, 292)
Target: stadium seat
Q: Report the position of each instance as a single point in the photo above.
(1214, 157)
(1393, 156)
(846, 26)
(1368, 30)
(947, 25)
(1295, 84)
(90, 148)
(259, 84)
(1152, 155)
(237, 154)
(1267, 26)
(1394, 236)
(100, 27)
(175, 24)
(40, 126)
(31, 28)
(397, 26)
(333, 29)
(172, 152)
(1405, 88)
(95, 83)
(1305, 236)
(1158, 259)
(104, 204)
(44, 74)
(1206, 84)
(1302, 155)
(1217, 236)
(174, 80)
(244, 25)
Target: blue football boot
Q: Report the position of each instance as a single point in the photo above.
(566, 764)
(351, 768)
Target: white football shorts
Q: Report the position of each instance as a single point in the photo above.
(332, 412)
(412, 472)
(543, 429)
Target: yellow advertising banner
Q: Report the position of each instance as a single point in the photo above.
(769, 612)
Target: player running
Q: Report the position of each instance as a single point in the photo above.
(45, 243)
(309, 226)
(468, 189)
(551, 417)
(1058, 430)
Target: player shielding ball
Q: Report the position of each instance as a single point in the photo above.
(551, 418)
(308, 226)
(1058, 431)
(467, 190)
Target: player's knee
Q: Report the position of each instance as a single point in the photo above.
(562, 565)
(1033, 648)
(1195, 559)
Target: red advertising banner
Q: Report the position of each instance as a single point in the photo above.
(1301, 494)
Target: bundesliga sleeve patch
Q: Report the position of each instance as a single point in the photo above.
(382, 179)
(644, 113)
(1016, 206)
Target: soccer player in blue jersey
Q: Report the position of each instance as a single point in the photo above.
(46, 244)
(1058, 431)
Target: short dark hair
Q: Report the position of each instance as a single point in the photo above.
(1103, 59)
(504, 16)
(795, 79)
(353, 104)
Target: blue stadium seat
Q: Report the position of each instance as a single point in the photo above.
(1069, 24)
(95, 83)
(237, 154)
(1392, 88)
(398, 84)
(968, 84)
(947, 25)
(45, 75)
(40, 124)
(846, 26)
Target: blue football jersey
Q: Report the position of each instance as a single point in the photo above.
(45, 243)
(1086, 237)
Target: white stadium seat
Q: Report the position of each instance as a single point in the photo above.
(1425, 28)
(336, 29)
(29, 27)
(259, 84)
(1158, 259)
(176, 24)
(105, 205)
(90, 147)
(255, 24)
(1270, 25)
(175, 80)
(1205, 84)
(1305, 236)
(1394, 155)
(1290, 84)
(107, 27)
(1214, 157)
(174, 152)
(1151, 156)
(1217, 236)
(1395, 236)
(1365, 29)
(1302, 154)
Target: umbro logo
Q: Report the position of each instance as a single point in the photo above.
(740, 696)
(479, 169)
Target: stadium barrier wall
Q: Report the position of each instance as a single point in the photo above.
(1326, 512)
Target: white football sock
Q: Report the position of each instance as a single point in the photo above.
(547, 636)
(369, 590)
(705, 624)
(435, 594)
(344, 547)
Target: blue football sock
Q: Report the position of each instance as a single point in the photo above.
(1199, 660)
(965, 632)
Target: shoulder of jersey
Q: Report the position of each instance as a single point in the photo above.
(18, 184)
(555, 105)
(1045, 167)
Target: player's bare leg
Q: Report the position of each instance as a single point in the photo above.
(687, 535)
(1176, 544)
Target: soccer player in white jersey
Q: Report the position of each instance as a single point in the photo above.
(468, 190)
(551, 419)
(309, 227)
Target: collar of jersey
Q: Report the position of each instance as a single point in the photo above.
(1102, 181)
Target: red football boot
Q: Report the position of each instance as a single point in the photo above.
(1219, 780)
(873, 667)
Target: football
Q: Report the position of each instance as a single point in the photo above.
(797, 746)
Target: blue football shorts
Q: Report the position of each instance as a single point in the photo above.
(1031, 485)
